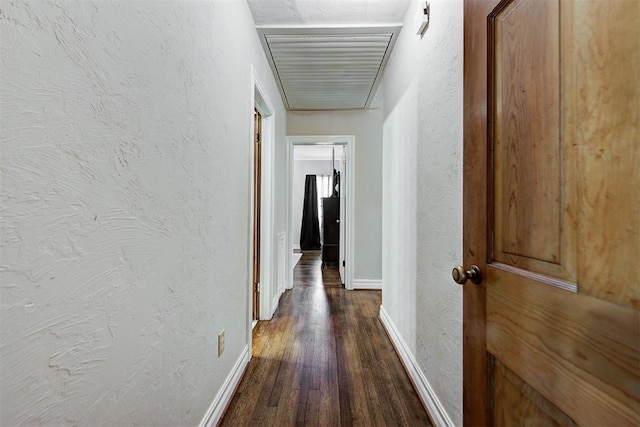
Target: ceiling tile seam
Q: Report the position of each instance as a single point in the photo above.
(382, 61)
(273, 61)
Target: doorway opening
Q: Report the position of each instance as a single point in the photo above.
(317, 205)
(328, 160)
(262, 290)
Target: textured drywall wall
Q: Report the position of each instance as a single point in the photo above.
(366, 125)
(125, 142)
(422, 197)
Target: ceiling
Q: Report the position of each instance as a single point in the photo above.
(328, 54)
(328, 12)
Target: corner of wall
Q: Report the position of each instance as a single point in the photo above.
(422, 198)
(225, 395)
(427, 395)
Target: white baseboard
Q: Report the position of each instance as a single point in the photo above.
(367, 284)
(425, 391)
(224, 396)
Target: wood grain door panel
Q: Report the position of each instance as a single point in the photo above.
(579, 352)
(527, 154)
(521, 401)
(606, 115)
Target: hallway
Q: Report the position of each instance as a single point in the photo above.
(496, 134)
(324, 359)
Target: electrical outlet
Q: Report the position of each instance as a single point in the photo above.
(221, 343)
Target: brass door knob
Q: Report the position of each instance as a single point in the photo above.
(460, 275)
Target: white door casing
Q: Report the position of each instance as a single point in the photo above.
(348, 142)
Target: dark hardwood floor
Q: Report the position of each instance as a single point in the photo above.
(307, 269)
(324, 360)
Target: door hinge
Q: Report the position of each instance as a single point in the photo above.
(343, 263)
(256, 287)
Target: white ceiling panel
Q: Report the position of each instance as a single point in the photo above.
(327, 12)
(328, 68)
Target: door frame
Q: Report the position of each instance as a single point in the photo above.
(256, 269)
(348, 142)
(342, 214)
(260, 101)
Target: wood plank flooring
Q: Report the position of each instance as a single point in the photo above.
(324, 360)
(306, 272)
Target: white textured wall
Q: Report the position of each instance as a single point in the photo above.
(367, 128)
(422, 197)
(124, 142)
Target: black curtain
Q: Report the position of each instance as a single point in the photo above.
(310, 229)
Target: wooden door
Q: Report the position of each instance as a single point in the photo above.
(257, 200)
(331, 231)
(552, 212)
